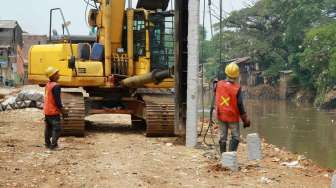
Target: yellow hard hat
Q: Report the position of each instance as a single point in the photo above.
(232, 70)
(50, 71)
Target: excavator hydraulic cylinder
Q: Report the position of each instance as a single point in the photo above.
(152, 77)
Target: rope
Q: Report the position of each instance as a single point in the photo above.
(210, 126)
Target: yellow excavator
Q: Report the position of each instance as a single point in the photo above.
(126, 68)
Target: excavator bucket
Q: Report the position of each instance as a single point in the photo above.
(153, 4)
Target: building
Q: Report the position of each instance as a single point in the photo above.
(10, 39)
(28, 41)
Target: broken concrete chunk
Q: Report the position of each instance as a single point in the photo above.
(292, 164)
(265, 180)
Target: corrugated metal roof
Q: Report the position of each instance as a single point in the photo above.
(4, 46)
(286, 71)
(8, 24)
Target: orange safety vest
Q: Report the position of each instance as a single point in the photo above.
(226, 101)
(50, 108)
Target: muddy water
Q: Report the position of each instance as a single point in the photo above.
(300, 129)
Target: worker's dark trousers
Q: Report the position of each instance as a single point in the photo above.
(52, 131)
(235, 135)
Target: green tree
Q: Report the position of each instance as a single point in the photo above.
(281, 34)
(319, 58)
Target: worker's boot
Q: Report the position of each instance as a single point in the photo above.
(233, 145)
(222, 147)
(53, 146)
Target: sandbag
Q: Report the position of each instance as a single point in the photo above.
(20, 104)
(27, 103)
(20, 96)
(32, 104)
(25, 99)
(10, 103)
(8, 107)
(37, 96)
(39, 105)
(30, 95)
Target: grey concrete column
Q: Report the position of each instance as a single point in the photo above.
(193, 62)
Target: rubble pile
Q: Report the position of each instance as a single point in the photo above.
(25, 99)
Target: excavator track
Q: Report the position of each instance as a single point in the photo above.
(159, 113)
(74, 124)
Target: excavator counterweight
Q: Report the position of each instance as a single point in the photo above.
(153, 5)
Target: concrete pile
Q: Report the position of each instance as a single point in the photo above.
(229, 160)
(25, 99)
(333, 181)
(254, 146)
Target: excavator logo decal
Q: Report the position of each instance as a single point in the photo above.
(225, 101)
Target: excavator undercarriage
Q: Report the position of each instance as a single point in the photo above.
(151, 108)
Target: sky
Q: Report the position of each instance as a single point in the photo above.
(33, 15)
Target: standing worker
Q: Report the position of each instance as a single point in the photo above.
(53, 108)
(230, 108)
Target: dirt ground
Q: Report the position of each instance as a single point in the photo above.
(119, 156)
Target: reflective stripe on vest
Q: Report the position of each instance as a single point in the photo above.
(226, 101)
(50, 108)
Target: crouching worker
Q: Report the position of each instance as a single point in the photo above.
(230, 108)
(53, 108)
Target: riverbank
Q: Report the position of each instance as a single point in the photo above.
(119, 156)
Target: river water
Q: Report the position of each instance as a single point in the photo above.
(300, 129)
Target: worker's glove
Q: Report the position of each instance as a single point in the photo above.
(246, 120)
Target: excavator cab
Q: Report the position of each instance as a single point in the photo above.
(161, 41)
(153, 40)
(139, 42)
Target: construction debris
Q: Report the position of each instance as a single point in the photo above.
(25, 99)
(292, 164)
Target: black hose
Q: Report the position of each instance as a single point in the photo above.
(159, 75)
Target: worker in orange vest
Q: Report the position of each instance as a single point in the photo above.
(230, 108)
(53, 108)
